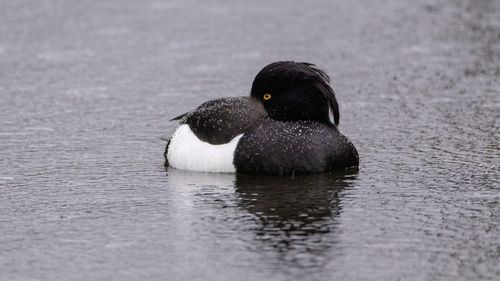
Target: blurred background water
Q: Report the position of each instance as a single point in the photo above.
(87, 89)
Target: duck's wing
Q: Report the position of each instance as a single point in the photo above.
(218, 121)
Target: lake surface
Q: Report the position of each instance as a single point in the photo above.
(87, 89)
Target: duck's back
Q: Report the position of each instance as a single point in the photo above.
(218, 121)
(207, 137)
(294, 147)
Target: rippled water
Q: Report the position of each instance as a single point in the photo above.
(87, 89)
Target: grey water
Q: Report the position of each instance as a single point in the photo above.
(87, 89)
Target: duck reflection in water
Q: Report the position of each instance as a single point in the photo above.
(292, 219)
(295, 214)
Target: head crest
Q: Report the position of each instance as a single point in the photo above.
(300, 72)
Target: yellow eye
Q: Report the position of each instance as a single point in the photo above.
(267, 96)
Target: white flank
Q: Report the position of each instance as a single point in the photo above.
(187, 152)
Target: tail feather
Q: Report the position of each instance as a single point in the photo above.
(179, 117)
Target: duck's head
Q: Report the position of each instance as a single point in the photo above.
(292, 91)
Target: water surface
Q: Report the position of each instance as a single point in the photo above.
(87, 89)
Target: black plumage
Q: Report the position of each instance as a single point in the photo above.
(299, 91)
(219, 121)
(285, 123)
(281, 147)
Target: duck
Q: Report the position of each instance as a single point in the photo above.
(287, 125)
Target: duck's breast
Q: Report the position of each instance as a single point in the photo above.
(294, 147)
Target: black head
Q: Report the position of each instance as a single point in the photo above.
(292, 91)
